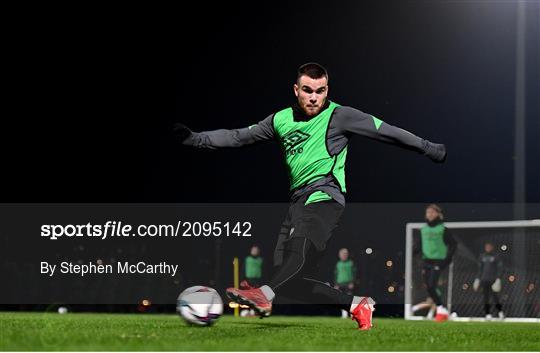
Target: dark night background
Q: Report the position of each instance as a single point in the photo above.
(97, 90)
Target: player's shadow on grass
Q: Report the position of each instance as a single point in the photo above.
(266, 325)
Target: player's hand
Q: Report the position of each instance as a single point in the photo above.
(476, 284)
(435, 151)
(181, 131)
(496, 286)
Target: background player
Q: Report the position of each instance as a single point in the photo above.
(253, 267)
(438, 247)
(488, 279)
(344, 275)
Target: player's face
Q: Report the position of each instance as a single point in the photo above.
(488, 247)
(343, 255)
(311, 94)
(431, 214)
(255, 251)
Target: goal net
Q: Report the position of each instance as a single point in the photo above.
(517, 245)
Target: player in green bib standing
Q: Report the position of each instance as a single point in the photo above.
(344, 275)
(314, 134)
(437, 246)
(253, 267)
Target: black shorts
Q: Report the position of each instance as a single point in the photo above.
(314, 221)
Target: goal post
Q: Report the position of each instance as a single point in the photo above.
(518, 244)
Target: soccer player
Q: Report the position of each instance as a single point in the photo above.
(438, 247)
(488, 279)
(253, 267)
(314, 134)
(344, 275)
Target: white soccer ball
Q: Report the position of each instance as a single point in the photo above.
(62, 310)
(199, 305)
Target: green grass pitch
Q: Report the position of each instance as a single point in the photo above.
(140, 332)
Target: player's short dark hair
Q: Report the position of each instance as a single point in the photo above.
(312, 70)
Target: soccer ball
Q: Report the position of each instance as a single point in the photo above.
(199, 305)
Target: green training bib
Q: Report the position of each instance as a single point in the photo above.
(433, 245)
(305, 149)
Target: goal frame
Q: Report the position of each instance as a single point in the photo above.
(410, 227)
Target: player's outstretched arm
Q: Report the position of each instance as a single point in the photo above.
(263, 131)
(354, 121)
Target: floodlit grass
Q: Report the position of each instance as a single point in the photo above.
(140, 332)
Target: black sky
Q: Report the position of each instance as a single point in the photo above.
(97, 91)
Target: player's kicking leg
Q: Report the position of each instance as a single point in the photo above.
(299, 258)
(259, 299)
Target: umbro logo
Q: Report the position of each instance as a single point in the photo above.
(293, 139)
